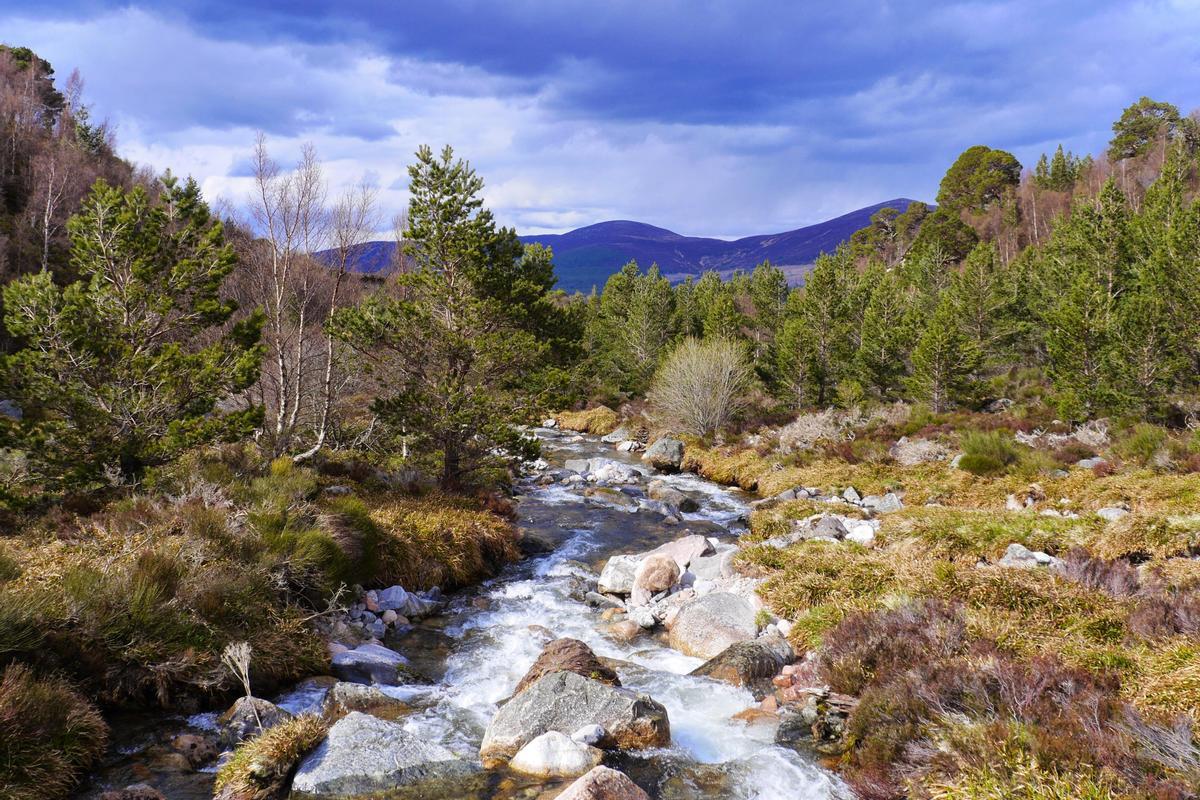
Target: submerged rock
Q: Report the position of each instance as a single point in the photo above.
(364, 755)
(344, 697)
(603, 783)
(709, 624)
(565, 702)
(555, 755)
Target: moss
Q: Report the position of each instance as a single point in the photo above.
(600, 420)
(49, 735)
(260, 767)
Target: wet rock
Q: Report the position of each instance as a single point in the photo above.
(565, 702)
(603, 783)
(567, 655)
(410, 604)
(248, 717)
(665, 455)
(625, 630)
(656, 573)
(643, 617)
(630, 446)
(662, 491)
(555, 755)
(138, 791)
(751, 664)
(363, 755)
(617, 575)
(619, 435)
(579, 465)
(198, 750)
(343, 698)
(590, 734)
(709, 624)
(373, 663)
(597, 600)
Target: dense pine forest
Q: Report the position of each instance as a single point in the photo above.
(216, 440)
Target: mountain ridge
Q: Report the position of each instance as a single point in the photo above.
(586, 256)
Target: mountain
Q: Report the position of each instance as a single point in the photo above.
(587, 256)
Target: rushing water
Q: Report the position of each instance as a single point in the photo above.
(483, 642)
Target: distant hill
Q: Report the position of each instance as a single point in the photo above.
(587, 256)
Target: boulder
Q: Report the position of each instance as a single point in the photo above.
(851, 495)
(1089, 463)
(579, 465)
(621, 434)
(248, 717)
(617, 575)
(751, 664)
(373, 663)
(656, 573)
(884, 505)
(555, 755)
(364, 755)
(662, 491)
(685, 550)
(665, 455)
(603, 783)
(565, 702)
(861, 534)
(344, 697)
(198, 750)
(709, 624)
(409, 604)
(568, 655)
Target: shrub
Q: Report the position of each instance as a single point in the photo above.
(600, 420)
(49, 735)
(260, 767)
(874, 646)
(1117, 578)
(1141, 445)
(988, 453)
(1171, 614)
(700, 385)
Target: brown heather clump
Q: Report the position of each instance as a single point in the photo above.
(49, 735)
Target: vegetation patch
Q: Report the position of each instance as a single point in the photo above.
(260, 768)
(599, 421)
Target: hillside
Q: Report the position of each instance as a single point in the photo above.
(585, 257)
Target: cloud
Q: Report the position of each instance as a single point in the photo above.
(711, 118)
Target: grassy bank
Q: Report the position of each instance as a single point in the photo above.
(132, 605)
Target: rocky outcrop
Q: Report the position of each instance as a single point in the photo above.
(555, 755)
(707, 625)
(752, 664)
(568, 655)
(248, 717)
(364, 755)
(603, 783)
(665, 455)
(565, 702)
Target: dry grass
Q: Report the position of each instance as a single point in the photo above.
(439, 541)
(260, 767)
(600, 420)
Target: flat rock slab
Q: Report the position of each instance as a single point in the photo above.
(373, 663)
(363, 755)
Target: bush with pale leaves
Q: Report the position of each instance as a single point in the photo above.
(700, 385)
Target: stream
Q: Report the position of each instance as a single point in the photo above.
(480, 645)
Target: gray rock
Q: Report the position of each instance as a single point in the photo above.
(643, 616)
(555, 755)
(617, 575)
(660, 490)
(344, 697)
(861, 534)
(1112, 513)
(597, 600)
(751, 664)
(686, 549)
(603, 783)
(709, 624)
(665, 455)
(888, 503)
(621, 434)
(578, 465)
(565, 702)
(851, 495)
(1018, 556)
(248, 717)
(1089, 463)
(363, 755)
(373, 663)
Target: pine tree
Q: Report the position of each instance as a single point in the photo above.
(945, 361)
(722, 320)
(127, 366)
(456, 346)
(984, 299)
(886, 338)
(816, 346)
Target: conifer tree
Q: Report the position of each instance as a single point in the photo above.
(816, 346)
(886, 339)
(945, 360)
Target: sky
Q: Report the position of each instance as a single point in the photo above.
(708, 117)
